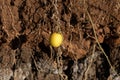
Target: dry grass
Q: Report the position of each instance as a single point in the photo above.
(93, 25)
(91, 61)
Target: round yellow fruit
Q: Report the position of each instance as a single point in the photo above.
(56, 39)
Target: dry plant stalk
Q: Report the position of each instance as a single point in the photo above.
(57, 27)
(91, 61)
(93, 25)
(59, 53)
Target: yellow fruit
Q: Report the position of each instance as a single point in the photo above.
(56, 39)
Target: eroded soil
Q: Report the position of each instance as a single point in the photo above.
(25, 28)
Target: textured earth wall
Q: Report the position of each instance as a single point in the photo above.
(91, 46)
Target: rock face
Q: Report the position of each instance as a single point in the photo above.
(25, 29)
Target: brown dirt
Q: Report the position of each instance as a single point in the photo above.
(25, 28)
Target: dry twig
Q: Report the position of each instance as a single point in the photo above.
(93, 25)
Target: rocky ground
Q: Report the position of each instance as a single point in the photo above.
(91, 46)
